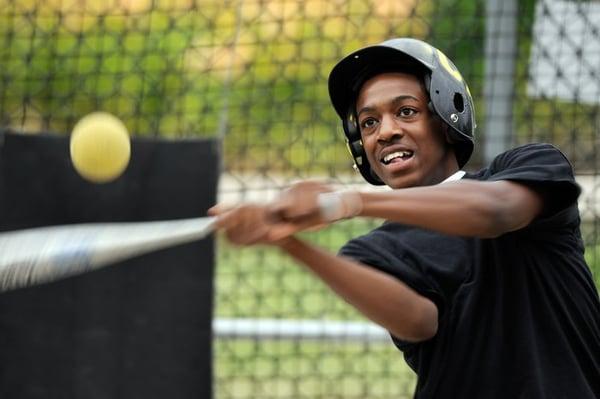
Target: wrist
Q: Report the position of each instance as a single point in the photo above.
(287, 244)
(337, 205)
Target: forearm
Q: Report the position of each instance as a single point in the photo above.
(380, 297)
(468, 208)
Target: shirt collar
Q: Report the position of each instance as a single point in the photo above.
(456, 176)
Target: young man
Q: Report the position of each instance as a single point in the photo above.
(479, 277)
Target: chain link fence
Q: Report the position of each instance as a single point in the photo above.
(254, 73)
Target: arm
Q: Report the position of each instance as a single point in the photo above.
(379, 296)
(462, 208)
(466, 207)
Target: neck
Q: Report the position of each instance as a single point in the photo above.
(450, 167)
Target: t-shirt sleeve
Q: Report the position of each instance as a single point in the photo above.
(543, 168)
(431, 263)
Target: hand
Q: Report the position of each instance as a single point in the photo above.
(307, 205)
(311, 205)
(250, 224)
(299, 205)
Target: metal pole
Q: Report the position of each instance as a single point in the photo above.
(499, 85)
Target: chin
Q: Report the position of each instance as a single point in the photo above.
(401, 182)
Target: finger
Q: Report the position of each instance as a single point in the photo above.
(245, 225)
(247, 235)
(281, 231)
(294, 205)
(287, 210)
(219, 209)
(284, 230)
(225, 220)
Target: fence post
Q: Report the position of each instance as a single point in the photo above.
(499, 85)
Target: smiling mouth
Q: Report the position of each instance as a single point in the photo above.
(396, 156)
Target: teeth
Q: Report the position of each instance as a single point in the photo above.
(398, 154)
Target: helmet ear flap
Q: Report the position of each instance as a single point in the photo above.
(355, 147)
(427, 84)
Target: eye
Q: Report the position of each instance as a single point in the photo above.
(368, 123)
(406, 112)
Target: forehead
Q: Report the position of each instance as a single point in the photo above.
(387, 86)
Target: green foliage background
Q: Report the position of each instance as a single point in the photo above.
(254, 72)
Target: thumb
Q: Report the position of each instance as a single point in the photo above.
(219, 209)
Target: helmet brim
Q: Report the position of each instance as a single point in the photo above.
(350, 73)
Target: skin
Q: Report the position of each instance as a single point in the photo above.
(393, 115)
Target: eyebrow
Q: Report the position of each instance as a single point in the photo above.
(394, 101)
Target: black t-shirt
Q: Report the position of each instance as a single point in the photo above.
(519, 315)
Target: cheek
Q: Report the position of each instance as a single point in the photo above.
(436, 142)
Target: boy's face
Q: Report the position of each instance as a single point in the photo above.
(404, 141)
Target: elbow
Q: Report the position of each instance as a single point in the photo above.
(422, 326)
(425, 330)
(495, 224)
(494, 219)
(500, 220)
(507, 207)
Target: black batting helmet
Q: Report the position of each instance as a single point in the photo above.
(449, 94)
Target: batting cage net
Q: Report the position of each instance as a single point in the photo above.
(254, 73)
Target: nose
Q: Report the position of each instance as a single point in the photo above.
(389, 129)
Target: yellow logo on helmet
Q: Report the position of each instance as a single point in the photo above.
(449, 66)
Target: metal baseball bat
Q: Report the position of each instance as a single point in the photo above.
(39, 255)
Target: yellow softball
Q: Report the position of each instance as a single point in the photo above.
(100, 147)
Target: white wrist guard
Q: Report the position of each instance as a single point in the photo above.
(338, 205)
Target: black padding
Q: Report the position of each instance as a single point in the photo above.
(137, 329)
